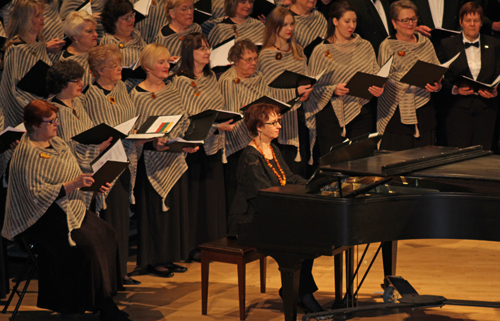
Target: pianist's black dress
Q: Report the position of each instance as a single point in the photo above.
(253, 175)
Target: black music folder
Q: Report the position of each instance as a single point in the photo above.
(98, 134)
(423, 73)
(289, 79)
(262, 7)
(106, 174)
(85, 6)
(200, 16)
(438, 34)
(133, 71)
(8, 136)
(204, 5)
(178, 144)
(476, 85)
(284, 107)
(35, 81)
(359, 83)
(308, 50)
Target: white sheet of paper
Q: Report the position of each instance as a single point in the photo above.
(115, 153)
(449, 62)
(218, 57)
(21, 127)
(88, 8)
(181, 140)
(453, 31)
(142, 6)
(173, 120)
(127, 126)
(12, 129)
(386, 68)
(320, 74)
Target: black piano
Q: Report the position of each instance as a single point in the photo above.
(354, 198)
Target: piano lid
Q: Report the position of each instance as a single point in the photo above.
(403, 162)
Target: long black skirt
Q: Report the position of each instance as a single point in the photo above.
(162, 236)
(75, 279)
(207, 203)
(117, 214)
(4, 272)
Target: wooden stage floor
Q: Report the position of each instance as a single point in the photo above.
(455, 269)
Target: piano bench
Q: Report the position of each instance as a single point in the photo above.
(228, 251)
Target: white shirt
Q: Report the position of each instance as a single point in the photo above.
(473, 58)
(381, 12)
(437, 10)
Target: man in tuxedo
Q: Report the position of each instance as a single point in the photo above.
(374, 20)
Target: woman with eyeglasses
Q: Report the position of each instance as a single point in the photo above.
(310, 23)
(471, 115)
(337, 114)
(106, 101)
(261, 166)
(77, 267)
(118, 19)
(179, 15)
(237, 23)
(161, 192)
(199, 92)
(406, 116)
(281, 52)
(81, 29)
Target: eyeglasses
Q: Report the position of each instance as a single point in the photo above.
(128, 17)
(77, 81)
(204, 49)
(186, 9)
(249, 60)
(407, 20)
(51, 122)
(274, 123)
(246, 1)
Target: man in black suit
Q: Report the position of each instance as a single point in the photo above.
(371, 23)
(471, 115)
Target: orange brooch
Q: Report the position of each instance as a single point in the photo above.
(154, 3)
(197, 92)
(121, 45)
(112, 100)
(235, 30)
(279, 56)
(43, 155)
(181, 38)
(328, 55)
(153, 95)
(401, 53)
(236, 80)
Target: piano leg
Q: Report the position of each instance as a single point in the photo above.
(338, 263)
(349, 273)
(389, 258)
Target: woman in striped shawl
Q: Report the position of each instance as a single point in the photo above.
(199, 92)
(64, 80)
(405, 116)
(80, 27)
(24, 47)
(151, 25)
(330, 109)
(161, 187)
(237, 23)
(77, 268)
(118, 19)
(68, 6)
(280, 52)
(310, 23)
(180, 23)
(107, 101)
(4, 277)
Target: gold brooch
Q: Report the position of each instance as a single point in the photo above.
(235, 30)
(279, 56)
(401, 53)
(154, 3)
(328, 55)
(112, 100)
(43, 155)
(237, 80)
(181, 38)
(121, 45)
(197, 92)
(153, 95)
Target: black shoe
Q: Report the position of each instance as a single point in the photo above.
(110, 312)
(162, 274)
(175, 267)
(194, 256)
(309, 304)
(130, 281)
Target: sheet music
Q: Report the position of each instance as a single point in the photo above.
(386, 68)
(320, 75)
(219, 55)
(127, 126)
(115, 153)
(164, 124)
(142, 6)
(88, 8)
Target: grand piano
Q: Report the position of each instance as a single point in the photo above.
(356, 197)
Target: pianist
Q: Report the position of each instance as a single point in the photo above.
(262, 166)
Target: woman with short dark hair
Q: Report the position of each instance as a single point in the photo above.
(77, 271)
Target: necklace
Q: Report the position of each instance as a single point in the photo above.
(282, 49)
(282, 180)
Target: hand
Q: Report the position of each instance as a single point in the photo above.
(14, 145)
(83, 180)
(143, 141)
(495, 26)
(464, 91)
(262, 18)
(433, 88)
(488, 94)
(305, 91)
(173, 58)
(96, 15)
(191, 150)
(227, 126)
(105, 188)
(160, 144)
(341, 90)
(105, 144)
(424, 30)
(376, 91)
(55, 45)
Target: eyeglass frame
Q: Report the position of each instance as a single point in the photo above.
(77, 81)
(249, 60)
(51, 122)
(128, 17)
(412, 19)
(274, 123)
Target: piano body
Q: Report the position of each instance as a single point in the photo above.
(425, 193)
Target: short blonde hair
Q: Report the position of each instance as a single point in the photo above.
(172, 5)
(150, 53)
(75, 22)
(20, 19)
(102, 56)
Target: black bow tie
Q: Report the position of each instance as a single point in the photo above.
(473, 44)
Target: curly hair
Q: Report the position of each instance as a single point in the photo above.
(61, 73)
(113, 10)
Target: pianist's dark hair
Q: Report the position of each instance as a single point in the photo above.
(189, 44)
(256, 115)
(471, 8)
(337, 10)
